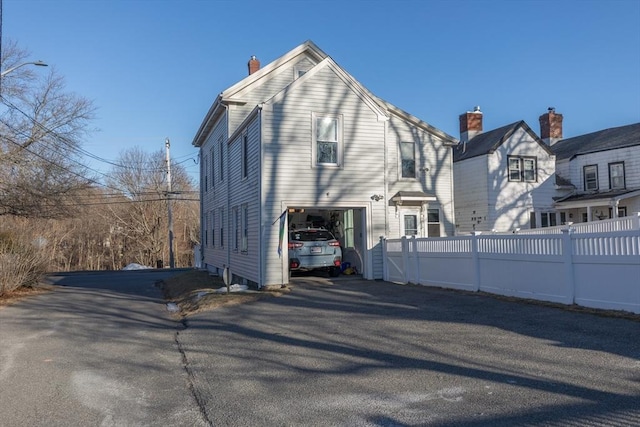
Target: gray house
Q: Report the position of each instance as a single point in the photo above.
(301, 140)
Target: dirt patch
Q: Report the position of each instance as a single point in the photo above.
(22, 293)
(197, 291)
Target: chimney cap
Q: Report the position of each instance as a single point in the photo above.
(551, 109)
(476, 109)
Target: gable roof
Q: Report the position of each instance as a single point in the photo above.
(488, 142)
(341, 74)
(607, 139)
(233, 94)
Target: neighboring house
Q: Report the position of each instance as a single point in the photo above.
(604, 170)
(302, 137)
(504, 178)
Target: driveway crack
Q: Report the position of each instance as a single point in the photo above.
(190, 375)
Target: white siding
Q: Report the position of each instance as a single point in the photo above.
(264, 89)
(245, 191)
(215, 197)
(433, 173)
(288, 172)
(485, 198)
(471, 193)
(630, 156)
(510, 203)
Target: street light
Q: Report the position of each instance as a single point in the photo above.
(37, 63)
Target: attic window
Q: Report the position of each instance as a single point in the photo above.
(522, 169)
(298, 72)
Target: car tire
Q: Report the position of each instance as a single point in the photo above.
(334, 271)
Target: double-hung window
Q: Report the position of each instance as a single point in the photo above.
(590, 177)
(616, 176)
(245, 155)
(244, 214)
(327, 140)
(522, 169)
(213, 175)
(236, 229)
(408, 159)
(221, 215)
(205, 167)
(221, 159)
(433, 222)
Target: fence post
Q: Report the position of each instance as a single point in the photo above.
(385, 265)
(636, 222)
(567, 257)
(405, 260)
(476, 259)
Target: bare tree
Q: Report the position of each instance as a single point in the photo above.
(41, 130)
(142, 223)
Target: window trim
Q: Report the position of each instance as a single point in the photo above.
(221, 159)
(521, 162)
(339, 143)
(584, 177)
(221, 215)
(235, 244)
(213, 175)
(244, 156)
(624, 178)
(401, 161)
(244, 238)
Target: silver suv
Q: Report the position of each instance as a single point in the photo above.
(313, 249)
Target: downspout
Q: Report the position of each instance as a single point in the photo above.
(261, 265)
(202, 214)
(225, 163)
(453, 197)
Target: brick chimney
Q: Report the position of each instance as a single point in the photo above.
(551, 126)
(254, 64)
(470, 124)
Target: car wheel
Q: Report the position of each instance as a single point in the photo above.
(334, 271)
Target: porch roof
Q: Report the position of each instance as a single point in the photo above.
(413, 196)
(595, 199)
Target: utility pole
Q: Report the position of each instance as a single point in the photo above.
(167, 144)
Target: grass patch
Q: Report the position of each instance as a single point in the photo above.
(196, 291)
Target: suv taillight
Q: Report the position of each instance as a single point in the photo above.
(334, 243)
(295, 245)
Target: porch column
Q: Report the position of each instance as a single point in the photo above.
(589, 215)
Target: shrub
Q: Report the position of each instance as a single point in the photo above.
(21, 263)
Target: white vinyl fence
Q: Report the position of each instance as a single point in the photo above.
(598, 270)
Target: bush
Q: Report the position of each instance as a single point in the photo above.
(21, 263)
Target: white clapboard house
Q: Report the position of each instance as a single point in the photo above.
(303, 137)
(504, 178)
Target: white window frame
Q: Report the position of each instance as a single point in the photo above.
(411, 212)
(402, 160)
(221, 158)
(612, 167)
(585, 170)
(245, 156)
(244, 218)
(315, 117)
(221, 216)
(213, 175)
(235, 244)
(429, 223)
(517, 170)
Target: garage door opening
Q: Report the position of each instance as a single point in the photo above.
(345, 224)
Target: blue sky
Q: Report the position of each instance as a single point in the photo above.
(154, 67)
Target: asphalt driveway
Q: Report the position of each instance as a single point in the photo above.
(102, 350)
(347, 352)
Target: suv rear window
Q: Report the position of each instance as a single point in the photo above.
(311, 235)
